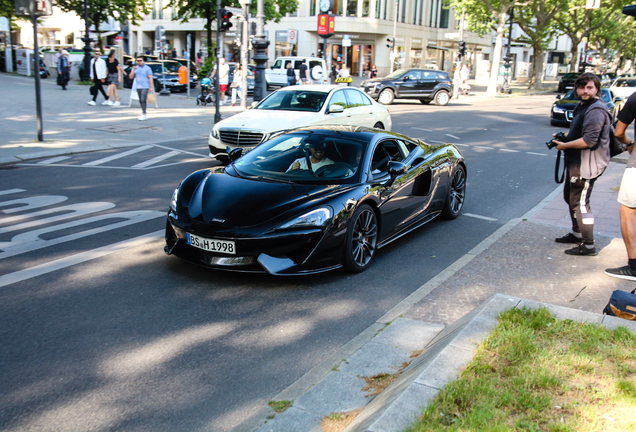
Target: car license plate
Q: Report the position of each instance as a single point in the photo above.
(212, 245)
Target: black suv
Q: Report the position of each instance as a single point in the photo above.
(427, 85)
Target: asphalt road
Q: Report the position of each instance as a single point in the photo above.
(101, 331)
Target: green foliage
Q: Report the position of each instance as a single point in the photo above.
(206, 66)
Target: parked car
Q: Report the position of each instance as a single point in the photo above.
(561, 113)
(427, 85)
(193, 65)
(567, 82)
(276, 75)
(171, 78)
(261, 214)
(623, 87)
(296, 106)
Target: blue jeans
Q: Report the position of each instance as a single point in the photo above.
(289, 80)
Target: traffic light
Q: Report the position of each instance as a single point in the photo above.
(391, 43)
(225, 20)
(462, 48)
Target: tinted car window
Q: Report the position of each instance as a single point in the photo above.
(429, 75)
(441, 75)
(626, 83)
(413, 75)
(277, 64)
(606, 95)
(355, 98)
(313, 63)
(294, 100)
(338, 98)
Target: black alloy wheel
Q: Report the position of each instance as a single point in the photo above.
(456, 194)
(361, 239)
(378, 125)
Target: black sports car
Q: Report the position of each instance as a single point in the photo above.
(267, 212)
(561, 113)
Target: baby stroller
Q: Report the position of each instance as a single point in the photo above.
(205, 97)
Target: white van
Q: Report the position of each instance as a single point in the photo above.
(276, 75)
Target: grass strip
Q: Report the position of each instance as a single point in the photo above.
(537, 373)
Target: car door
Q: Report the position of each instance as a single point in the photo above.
(344, 118)
(410, 83)
(427, 83)
(402, 199)
(277, 75)
(362, 112)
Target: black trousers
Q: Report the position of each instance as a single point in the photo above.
(99, 87)
(576, 193)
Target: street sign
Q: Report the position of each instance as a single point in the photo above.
(292, 37)
(4, 24)
(346, 41)
(593, 4)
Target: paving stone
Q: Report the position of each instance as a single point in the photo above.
(405, 410)
(446, 367)
(408, 334)
(374, 358)
(293, 420)
(337, 392)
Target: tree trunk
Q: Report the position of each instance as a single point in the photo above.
(496, 56)
(537, 68)
(574, 53)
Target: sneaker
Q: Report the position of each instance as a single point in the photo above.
(622, 273)
(569, 238)
(92, 103)
(142, 118)
(107, 102)
(117, 103)
(582, 250)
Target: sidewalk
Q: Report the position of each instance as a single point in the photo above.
(519, 260)
(70, 125)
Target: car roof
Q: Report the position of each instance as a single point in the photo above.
(323, 88)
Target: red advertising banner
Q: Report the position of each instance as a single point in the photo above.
(326, 25)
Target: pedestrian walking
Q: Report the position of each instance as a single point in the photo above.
(334, 72)
(199, 58)
(302, 72)
(237, 84)
(373, 72)
(63, 69)
(291, 75)
(114, 77)
(586, 157)
(174, 53)
(224, 73)
(98, 73)
(627, 192)
(142, 74)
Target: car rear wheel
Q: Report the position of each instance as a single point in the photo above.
(456, 194)
(361, 239)
(441, 98)
(386, 97)
(378, 125)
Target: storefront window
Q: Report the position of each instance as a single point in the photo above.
(415, 58)
(352, 8)
(366, 6)
(285, 49)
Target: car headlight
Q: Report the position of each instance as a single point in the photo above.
(558, 109)
(173, 200)
(215, 133)
(314, 219)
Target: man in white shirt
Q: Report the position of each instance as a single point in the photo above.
(224, 75)
(317, 159)
(98, 72)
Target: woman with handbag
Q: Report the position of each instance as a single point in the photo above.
(113, 77)
(237, 84)
(63, 69)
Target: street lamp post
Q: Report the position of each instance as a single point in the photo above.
(260, 53)
(393, 54)
(86, 74)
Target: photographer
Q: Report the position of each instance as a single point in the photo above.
(586, 156)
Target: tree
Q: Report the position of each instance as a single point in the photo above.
(185, 10)
(482, 16)
(99, 11)
(535, 19)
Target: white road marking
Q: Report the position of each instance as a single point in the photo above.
(117, 156)
(11, 191)
(54, 160)
(509, 150)
(32, 202)
(426, 130)
(452, 136)
(463, 145)
(30, 241)
(156, 159)
(479, 217)
(483, 147)
(73, 210)
(79, 258)
(538, 154)
(440, 142)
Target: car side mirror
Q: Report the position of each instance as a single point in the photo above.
(253, 104)
(558, 96)
(234, 154)
(405, 78)
(334, 109)
(396, 168)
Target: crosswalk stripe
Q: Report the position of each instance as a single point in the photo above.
(11, 191)
(79, 258)
(118, 156)
(54, 160)
(156, 159)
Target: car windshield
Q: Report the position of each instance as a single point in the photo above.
(294, 100)
(606, 96)
(156, 68)
(625, 83)
(570, 76)
(398, 73)
(172, 66)
(285, 158)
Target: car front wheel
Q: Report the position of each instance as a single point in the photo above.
(386, 97)
(441, 98)
(361, 239)
(456, 194)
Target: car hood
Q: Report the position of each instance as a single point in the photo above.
(270, 120)
(234, 202)
(567, 104)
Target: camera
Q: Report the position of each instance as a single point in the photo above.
(559, 137)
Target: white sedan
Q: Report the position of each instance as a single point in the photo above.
(292, 107)
(623, 87)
